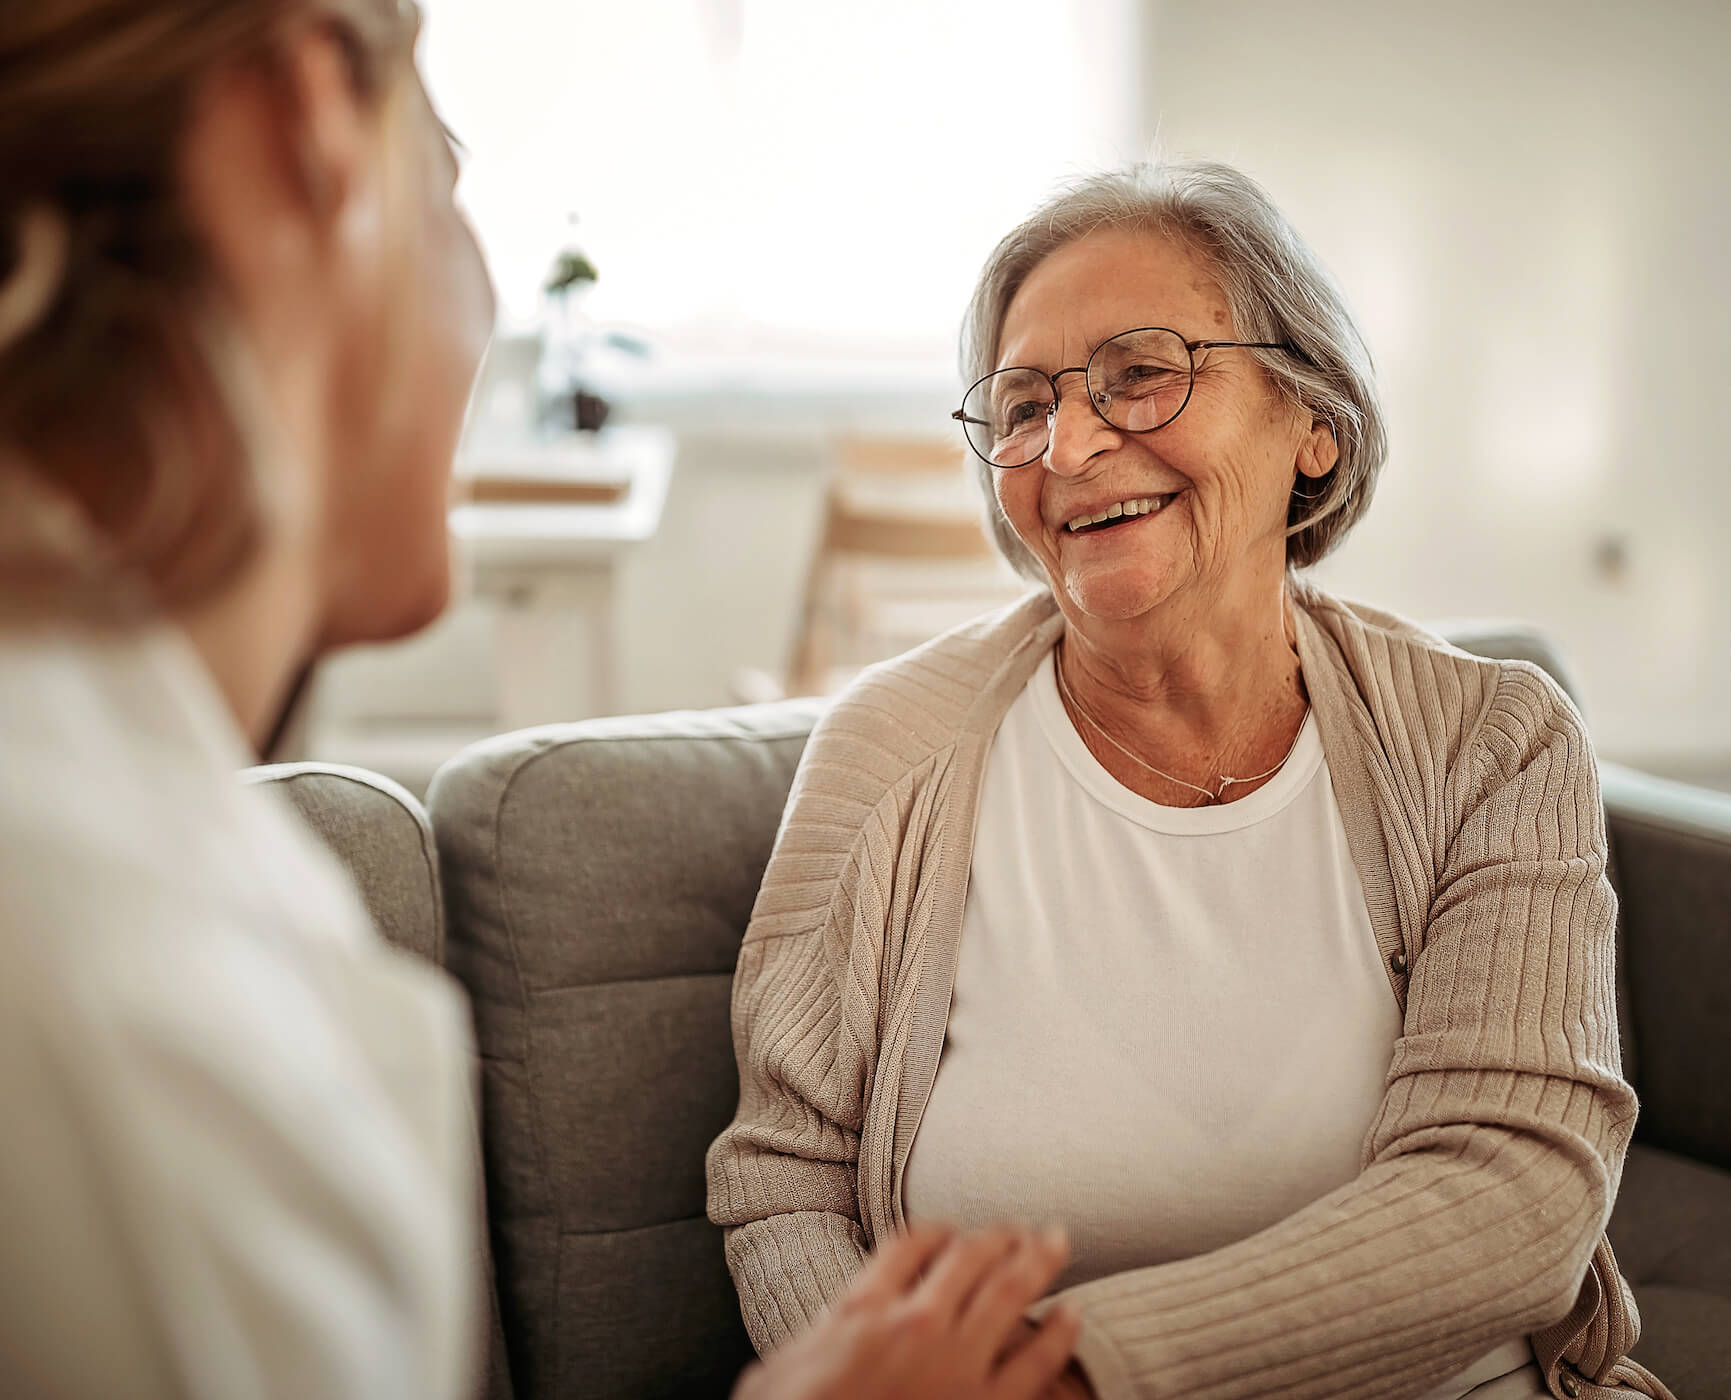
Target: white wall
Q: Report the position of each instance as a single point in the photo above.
(1529, 204)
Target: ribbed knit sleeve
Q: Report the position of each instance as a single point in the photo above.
(808, 1008)
(781, 1177)
(1495, 1157)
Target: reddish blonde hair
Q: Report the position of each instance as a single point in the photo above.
(117, 397)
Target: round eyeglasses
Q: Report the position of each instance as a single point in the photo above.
(1137, 381)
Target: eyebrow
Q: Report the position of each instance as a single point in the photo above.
(1094, 345)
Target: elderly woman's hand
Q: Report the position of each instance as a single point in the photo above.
(935, 1313)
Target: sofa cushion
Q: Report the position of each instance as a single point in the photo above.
(599, 878)
(1672, 1233)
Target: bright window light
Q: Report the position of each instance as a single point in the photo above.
(775, 177)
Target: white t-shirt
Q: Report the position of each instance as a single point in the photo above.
(239, 1143)
(1171, 1027)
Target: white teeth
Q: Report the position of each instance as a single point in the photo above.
(1141, 505)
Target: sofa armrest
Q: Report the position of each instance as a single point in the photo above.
(1671, 844)
(382, 838)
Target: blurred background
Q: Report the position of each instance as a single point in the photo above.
(744, 232)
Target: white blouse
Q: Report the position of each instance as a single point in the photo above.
(239, 1141)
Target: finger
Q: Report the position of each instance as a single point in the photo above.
(959, 1270)
(899, 1262)
(994, 1314)
(1041, 1360)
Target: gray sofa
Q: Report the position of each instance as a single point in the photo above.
(593, 881)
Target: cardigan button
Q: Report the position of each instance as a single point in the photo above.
(1571, 1383)
(1397, 963)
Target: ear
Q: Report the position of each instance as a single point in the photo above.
(276, 156)
(1319, 451)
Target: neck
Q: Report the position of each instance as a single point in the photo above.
(1202, 663)
(256, 637)
(1191, 693)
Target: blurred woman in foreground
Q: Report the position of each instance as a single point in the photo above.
(239, 317)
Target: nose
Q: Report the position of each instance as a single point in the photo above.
(1078, 432)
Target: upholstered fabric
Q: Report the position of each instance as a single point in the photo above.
(1672, 1233)
(1671, 845)
(382, 836)
(599, 878)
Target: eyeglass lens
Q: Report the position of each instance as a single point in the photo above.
(1137, 381)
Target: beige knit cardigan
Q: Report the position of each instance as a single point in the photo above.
(1471, 805)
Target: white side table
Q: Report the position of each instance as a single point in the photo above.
(552, 568)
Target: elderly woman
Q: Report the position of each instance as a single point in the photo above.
(1262, 940)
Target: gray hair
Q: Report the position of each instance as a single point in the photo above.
(1277, 291)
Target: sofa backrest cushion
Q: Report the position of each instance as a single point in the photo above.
(599, 878)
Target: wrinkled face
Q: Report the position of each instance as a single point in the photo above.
(420, 326)
(1217, 478)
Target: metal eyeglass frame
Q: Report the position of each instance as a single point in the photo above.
(1190, 347)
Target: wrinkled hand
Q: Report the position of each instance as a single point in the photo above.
(934, 1313)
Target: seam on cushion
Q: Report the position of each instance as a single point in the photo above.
(569, 740)
(530, 1076)
(430, 858)
(727, 973)
(634, 1229)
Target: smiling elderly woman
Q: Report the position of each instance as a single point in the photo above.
(1262, 940)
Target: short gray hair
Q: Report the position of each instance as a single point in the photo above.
(1277, 290)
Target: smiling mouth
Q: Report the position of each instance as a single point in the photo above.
(1132, 509)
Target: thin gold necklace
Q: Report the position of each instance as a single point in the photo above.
(1212, 797)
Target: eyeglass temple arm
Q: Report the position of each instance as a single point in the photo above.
(1292, 350)
(961, 417)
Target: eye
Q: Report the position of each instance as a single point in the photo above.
(1024, 412)
(1140, 373)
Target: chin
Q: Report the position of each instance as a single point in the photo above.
(1116, 595)
(387, 614)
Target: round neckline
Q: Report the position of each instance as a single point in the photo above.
(1274, 795)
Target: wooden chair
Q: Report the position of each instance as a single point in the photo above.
(902, 555)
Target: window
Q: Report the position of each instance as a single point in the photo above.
(775, 178)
